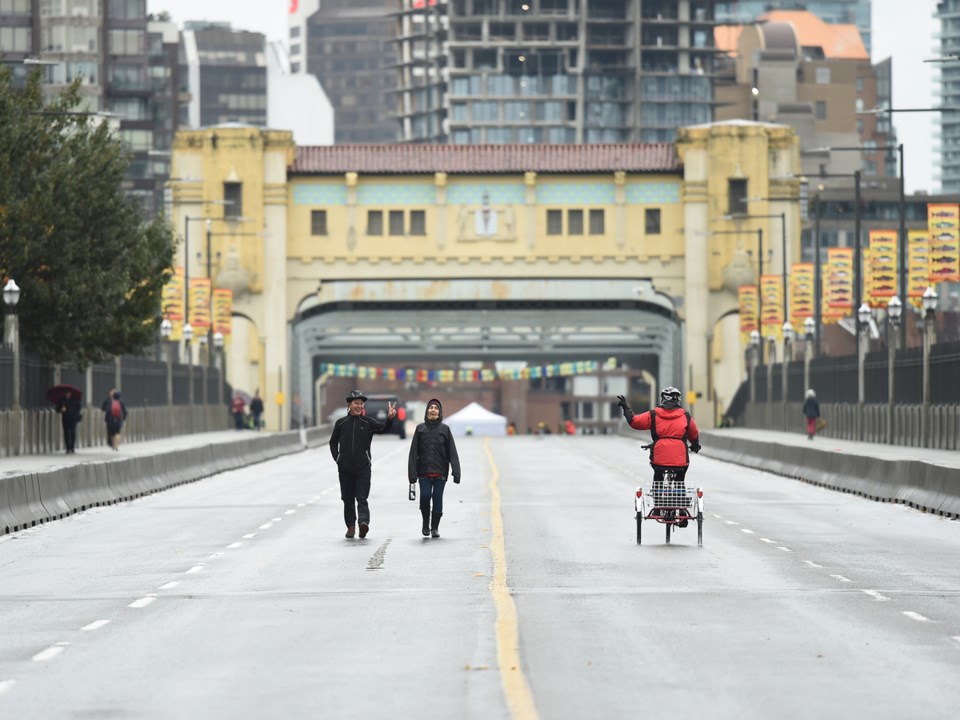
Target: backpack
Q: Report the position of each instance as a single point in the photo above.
(115, 409)
(655, 436)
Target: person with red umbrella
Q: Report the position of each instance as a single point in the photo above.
(67, 403)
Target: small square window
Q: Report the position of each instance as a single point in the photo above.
(596, 223)
(396, 222)
(575, 222)
(554, 222)
(374, 222)
(652, 221)
(318, 222)
(418, 222)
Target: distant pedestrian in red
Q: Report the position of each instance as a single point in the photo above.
(811, 411)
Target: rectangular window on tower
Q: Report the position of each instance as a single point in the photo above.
(318, 222)
(232, 199)
(652, 221)
(736, 196)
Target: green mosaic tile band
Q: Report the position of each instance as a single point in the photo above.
(658, 193)
(380, 194)
(319, 194)
(498, 194)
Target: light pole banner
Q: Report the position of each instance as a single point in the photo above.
(200, 305)
(222, 311)
(172, 303)
(882, 274)
(801, 293)
(771, 288)
(748, 310)
(918, 265)
(943, 222)
(839, 290)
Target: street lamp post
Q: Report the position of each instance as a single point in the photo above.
(785, 367)
(755, 345)
(929, 302)
(11, 296)
(894, 311)
(863, 328)
(166, 330)
(218, 344)
(809, 327)
(204, 352)
(782, 217)
(771, 357)
(188, 345)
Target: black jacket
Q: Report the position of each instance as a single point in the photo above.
(811, 408)
(350, 440)
(433, 451)
(71, 411)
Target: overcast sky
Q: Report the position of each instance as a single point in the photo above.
(902, 29)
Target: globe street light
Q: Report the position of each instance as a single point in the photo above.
(894, 312)
(863, 325)
(810, 334)
(11, 296)
(929, 301)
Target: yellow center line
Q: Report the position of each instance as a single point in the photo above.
(515, 687)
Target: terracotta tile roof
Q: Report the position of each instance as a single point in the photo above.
(839, 41)
(473, 159)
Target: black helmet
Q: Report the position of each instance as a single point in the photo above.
(355, 395)
(670, 394)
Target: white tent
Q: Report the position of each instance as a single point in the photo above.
(478, 419)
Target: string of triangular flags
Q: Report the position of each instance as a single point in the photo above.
(361, 372)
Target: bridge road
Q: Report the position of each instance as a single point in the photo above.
(238, 597)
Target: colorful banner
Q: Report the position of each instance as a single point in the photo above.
(802, 281)
(199, 305)
(771, 289)
(942, 222)
(172, 303)
(828, 315)
(918, 265)
(839, 289)
(222, 311)
(748, 298)
(566, 369)
(880, 273)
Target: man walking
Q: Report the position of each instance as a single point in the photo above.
(350, 447)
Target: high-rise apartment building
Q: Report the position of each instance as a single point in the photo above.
(842, 12)
(554, 71)
(948, 13)
(349, 46)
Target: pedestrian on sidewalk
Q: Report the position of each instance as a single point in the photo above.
(350, 447)
(237, 408)
(114, 414)
(811, 411)
(256, 409)
(433, 454)
(70, 414)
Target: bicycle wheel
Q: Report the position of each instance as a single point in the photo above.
(699, 528)
(639, 525)
(668, 526)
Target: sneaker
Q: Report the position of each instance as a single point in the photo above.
(350, 531)
(364, 529)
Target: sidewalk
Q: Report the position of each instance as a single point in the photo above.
(943, 458)
(54, 461)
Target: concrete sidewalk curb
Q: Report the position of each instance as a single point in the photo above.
(32, 498)
(925, 486)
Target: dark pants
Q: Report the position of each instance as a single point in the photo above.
(432, 488)
(113, 429)
(355, 488)
(256, 421)
(238, 420)
(69, 434)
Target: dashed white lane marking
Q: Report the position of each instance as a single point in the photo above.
(731, 522)
(234, 546)
(289, 512)
(301, 504)
(955, 637)
(142, 602)
(215, 556)
(718, 517)
(916, 616)
(745, 530)
(768, 541)
(95, 625)
(276, 519)
(6, 685)
(785, 549)
(51, 652)
(249, 536)
(169, 586)
(841, 578)
(876, 595)
(194, 570)
(811, 563)
(265, 526)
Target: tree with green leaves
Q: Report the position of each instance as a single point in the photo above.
(90, 264)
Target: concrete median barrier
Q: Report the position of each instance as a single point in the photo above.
(925, 486)
(29, 499)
